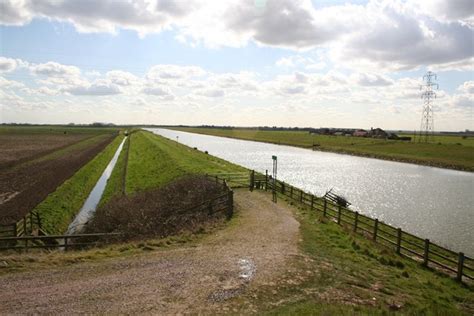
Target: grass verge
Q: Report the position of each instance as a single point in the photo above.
(60, 207)
(447, 151)
(345, 274)
(116, 182)
(155, 160)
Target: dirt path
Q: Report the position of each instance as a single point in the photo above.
(250, 252)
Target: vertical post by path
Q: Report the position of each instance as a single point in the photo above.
(266, 179)
(274, 178)
(399, 240)
(325, 207)
(460, 266)
(376, 228)
(252, 180)
(356, 221)
(426, 252)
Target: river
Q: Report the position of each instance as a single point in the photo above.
(430, 202)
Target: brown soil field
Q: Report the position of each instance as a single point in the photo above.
(18, 148)
(24, 187)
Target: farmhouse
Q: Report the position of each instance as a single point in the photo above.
(360, 133)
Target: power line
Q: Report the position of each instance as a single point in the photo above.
(427, 116)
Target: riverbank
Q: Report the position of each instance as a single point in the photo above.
(451, 152)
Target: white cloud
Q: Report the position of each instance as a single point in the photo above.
(99, 87)
(173, 72)
(371, 79)
(160, 91)
(7, 64)
(467, 87)
(122, 78)
(381, 34)
(53, 69)
(211, 93)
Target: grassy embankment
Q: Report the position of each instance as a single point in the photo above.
(356, 275)
(60, 207)
(154, 161)
(447, 151)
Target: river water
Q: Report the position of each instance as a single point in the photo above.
(430, 202)
(90, 205)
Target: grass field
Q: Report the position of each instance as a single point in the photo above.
(447, 151)
(357, 276)
(60, 207)
(154, 161)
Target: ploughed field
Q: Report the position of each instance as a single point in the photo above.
(34, 161)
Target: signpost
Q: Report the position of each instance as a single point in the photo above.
(274, 178)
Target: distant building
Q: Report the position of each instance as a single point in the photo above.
(360, 133)
(377, 133)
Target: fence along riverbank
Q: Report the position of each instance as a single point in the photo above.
(403, 243)
(221, 204)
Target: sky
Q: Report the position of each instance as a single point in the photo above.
(356, 64)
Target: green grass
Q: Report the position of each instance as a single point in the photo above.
(353, 275)
(55, 129)
(154, 161)
(447, 151)
(115, 183)
(60, 207)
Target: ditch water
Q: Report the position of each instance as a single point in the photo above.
(429, 202)
(90, 205)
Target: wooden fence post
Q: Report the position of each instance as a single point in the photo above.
(356, 221)
(301, 196)
(31, 223)
(217, 180)
(65, 243)
(291, 192)
(338, 214)
(266, 179)
(399, 240)
(325, 207)
(282, 187)
(252, 180)
(224, 184)
(376, 228)
(460, 266)
(312, 201)
(426, 252)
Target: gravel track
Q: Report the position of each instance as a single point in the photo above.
(252, 251)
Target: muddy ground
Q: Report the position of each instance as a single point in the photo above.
(25, 186)
(18, 148)
(253, 251)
